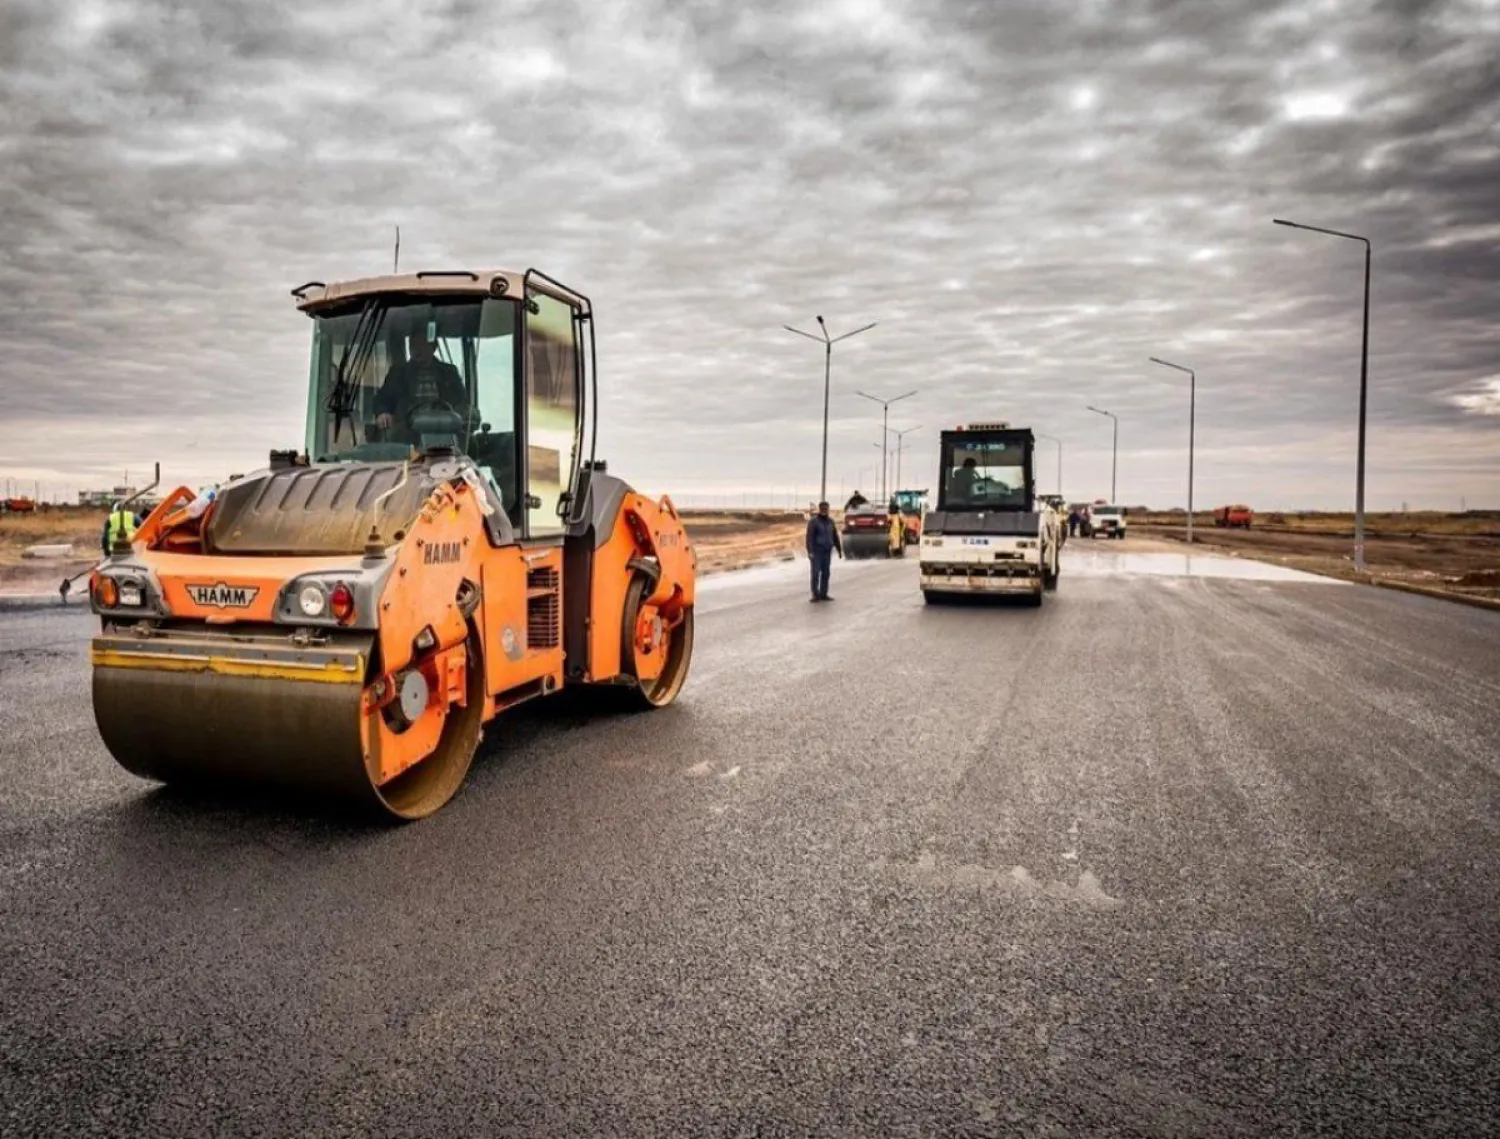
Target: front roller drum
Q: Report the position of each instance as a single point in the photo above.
(212, 722)
(866, 546)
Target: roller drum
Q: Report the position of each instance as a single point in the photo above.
(196, 711)
(866, 545)
(203, 728)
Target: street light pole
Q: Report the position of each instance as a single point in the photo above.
(1114, 461)
(827, 370)
(900, 444)
(1364, 375)
(885, 415)
(1052, 439)
(1192, 417)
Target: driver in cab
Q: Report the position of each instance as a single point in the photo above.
(420, 379)
(961, 483)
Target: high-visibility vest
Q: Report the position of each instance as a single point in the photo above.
(121, 521)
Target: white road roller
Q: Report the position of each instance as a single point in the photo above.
(991, 533)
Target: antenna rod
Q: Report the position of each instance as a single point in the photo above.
(396, 266)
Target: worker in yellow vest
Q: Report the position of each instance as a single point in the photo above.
(120, 523)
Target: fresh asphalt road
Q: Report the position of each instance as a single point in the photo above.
(1174, 855)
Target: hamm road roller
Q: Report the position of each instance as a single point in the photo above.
(445, 546)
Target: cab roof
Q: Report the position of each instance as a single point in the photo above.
(507, 283)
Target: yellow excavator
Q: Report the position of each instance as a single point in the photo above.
(444, 546)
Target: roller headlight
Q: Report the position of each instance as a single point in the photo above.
(130, 594)
(312, 600)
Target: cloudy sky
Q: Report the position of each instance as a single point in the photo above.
(1030, 198)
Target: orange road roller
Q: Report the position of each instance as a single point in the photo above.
(446, 545)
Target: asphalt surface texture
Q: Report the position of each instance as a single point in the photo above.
(1207, 853)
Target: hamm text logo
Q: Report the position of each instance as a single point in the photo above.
(438, 553)
(223, 596)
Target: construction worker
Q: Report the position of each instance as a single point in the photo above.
(120, 523)
(822, 539)
(1073, 522)
(855, 499)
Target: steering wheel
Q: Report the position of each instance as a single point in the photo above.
(429, 404)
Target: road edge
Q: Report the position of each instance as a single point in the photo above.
(1489, 603)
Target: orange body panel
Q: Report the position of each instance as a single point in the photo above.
(522, 626)
(389, 753)
(444, 545)
(644, 528)
(178, 571)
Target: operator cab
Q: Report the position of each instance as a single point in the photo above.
(436, 365)
(986, 468)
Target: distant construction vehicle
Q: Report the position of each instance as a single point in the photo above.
(872, 530)
(991, 533)
(344, 622)
(913, 507)
(1232, 516)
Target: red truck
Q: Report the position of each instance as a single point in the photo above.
(1232, 516)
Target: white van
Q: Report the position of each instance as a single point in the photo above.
(1108, 521)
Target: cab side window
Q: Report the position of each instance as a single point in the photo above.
(551, 410)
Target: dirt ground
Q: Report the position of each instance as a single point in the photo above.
(20, 575)
(1458, 553)
(727, 540)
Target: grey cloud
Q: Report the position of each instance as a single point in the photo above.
(1030, 199)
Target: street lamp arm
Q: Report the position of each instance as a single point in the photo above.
(1169, 364)
(856, 332)
(885, 402)
(799, 332)
(1320, 229)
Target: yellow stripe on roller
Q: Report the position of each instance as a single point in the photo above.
(229, 666)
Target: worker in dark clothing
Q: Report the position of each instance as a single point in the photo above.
(120, 523)
(420, 379)
(855, 499)
(822, 539)
(1073, 522)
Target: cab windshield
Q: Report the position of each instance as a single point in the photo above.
(986, 474)
(391, 375)
(909, 501)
